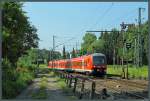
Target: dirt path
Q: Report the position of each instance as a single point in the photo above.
(53, 91)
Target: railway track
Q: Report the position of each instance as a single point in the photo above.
(125, 87)
(120, 81)
(132, 83)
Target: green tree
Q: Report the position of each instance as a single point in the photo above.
(88, 39)
(18, 35)
(98, 46)
(67, 55)
(64, 53)
(73, 53)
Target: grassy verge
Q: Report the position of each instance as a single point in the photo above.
(41, 94)
(42, 65)
(134, 72)
(62, 85)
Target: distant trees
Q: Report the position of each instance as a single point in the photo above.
(88, 39)
(73, 53)
(64, 53)
(111, 44)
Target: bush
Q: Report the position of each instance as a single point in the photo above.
(9, 77)
(23, 80)
(8, 89)
(14, 80)
(26, 62)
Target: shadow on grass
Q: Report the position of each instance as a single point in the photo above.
(113, 75)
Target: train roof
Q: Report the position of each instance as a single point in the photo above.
(98, 54)
(81, 57)
(94, 54)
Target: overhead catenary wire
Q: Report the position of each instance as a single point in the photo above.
(64, 42)
(103, 15)
(124, 16)
(121, 18)
(107, 10)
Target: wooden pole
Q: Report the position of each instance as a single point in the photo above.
(75, 84)
(82, 89)
(93, 90)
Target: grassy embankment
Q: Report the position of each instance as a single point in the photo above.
(141, 72)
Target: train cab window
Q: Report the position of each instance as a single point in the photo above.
(97, 60)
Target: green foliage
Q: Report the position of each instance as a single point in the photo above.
(138, 72)
(43, 83)
(23, 80)
(97, 45)
(8, 89)
(61, 83)
(26, 62)
(18, 36)
(67, 55)
(73, 53)
(14, 80)
(43, 66)
(17, 33)
(88, 39)
(111, 44)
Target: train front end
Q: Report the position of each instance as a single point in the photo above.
(99, 64)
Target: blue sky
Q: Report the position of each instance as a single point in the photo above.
(69, 21)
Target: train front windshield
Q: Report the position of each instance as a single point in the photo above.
(98, 60)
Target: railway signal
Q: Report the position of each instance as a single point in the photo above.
(128, 45)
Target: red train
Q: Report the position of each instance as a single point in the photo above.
(94, 64)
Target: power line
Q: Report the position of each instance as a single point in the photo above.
(103, 15)
(64, 42)
(122, 17)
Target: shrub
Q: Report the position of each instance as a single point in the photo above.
(15, 79)
(8, 89)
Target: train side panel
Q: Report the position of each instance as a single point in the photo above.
(77, 64)
(88, 64)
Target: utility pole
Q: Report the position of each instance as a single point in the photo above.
(53, 50)
(123, 40)
(123, 27)
(53, 43)
(139, 39)
(135, 51)
(114, 52)
(76, 53)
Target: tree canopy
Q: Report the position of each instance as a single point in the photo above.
(18, 35)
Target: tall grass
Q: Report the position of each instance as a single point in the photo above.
(134, 72)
